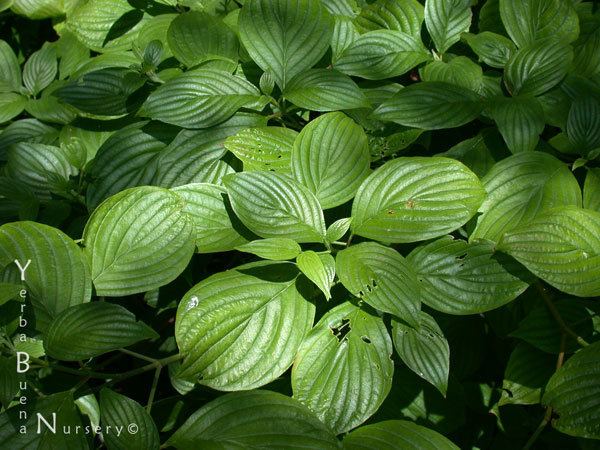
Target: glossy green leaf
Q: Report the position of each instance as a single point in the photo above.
(10, 72)
(49, 108)
(459, 71)
(92, 329)
(574, 393)
(405, 16)
(325, 90)
(344, 34)
(39, 9)
(338, 229)
(11, 105)
(591, 190)
(348, 348)
(241, 329)
(331, 158)
(446, 20)
(431, 106)
(583, 124)
(285, 37)
(40, 69)
(254, 418)
(382, 54)
(151, 241)
(520, 120)
(57, 277)
(26, 130)
(117, 410)
(415, 198)
(396, 435)
(424, 350)
(493, 49)
(381, 277)
(538, 67)
(528, 21)
(562, 247)
(587, 56)
(272, 205)
(276, 249)
(263, 148)
(199, 98)
(318, 268)
(208, 207)
(461, 278)
(9, 291)
(519, 188)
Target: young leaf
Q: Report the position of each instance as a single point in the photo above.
(285, 37)
(461, 278)
(199, 98)
(591, 190)
(424, 350)
(263, 148)
(519, 188)
(493, 49)
(40, 69)
(338, 229)
(318, 268)
(58, 275)
(92, 329)
(324, 90)
(393, 434)
(276, 249)
(431, 106)
(195, 37)
(138, 240)
(349, 347)
(382, 54)
(520, 120)
(254, 418)
(10, 72)
(405, 16)
(241, 329)
(446, 20)
(416, 198)
(272, 205)
(331, 158)
(381, 277)
(117, 410)
(562, 247)
(574, 393)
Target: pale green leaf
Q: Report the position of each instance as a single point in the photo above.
(338, 229)
(446, 20)
(276, 249)
(405, 16)
(520, 120)
(11, 105)
(493, 49)
(39, 9)
(40, 69)
(318, 268)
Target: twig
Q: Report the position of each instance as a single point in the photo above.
(153, 389)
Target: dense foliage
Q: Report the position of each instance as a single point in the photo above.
(300, 224)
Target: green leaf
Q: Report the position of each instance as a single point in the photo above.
(195, 37)
(520, 120)
(40, 69)
(424, 350)
(338, 229)
(88, 406)
(583, 124)
(276, 249)
(344, 34)
(382, 54)
(331, 158)
(493, 49)
(9, 291)
(341, 8)
(206, 204)
(461, 278)
(66, 414)
(459, 71)
(241, 329)
(39, 9)
(117, 410)
(562, 247)
(538, 67)
(526, 375)
(405, 16)
(446, 20)
(324, 90)
(138, 240)
(58, 275)
(263, 148)
(318, 268)
(71, 54)
(26, 130)
(528, 21)
(479, 153)
(348, 348)
(591, 190)
(92, 329)
(199, 98)
(9, 380)
(520, 187)
(272, 205)
(104, 92)
(395, 435)
(48, 107)
(416, 198)
(431, 106)
(285, 37)
(250, 419)
(381, 277)
(574, 393)
(10, 71)
(587, 56)
(11, 105)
